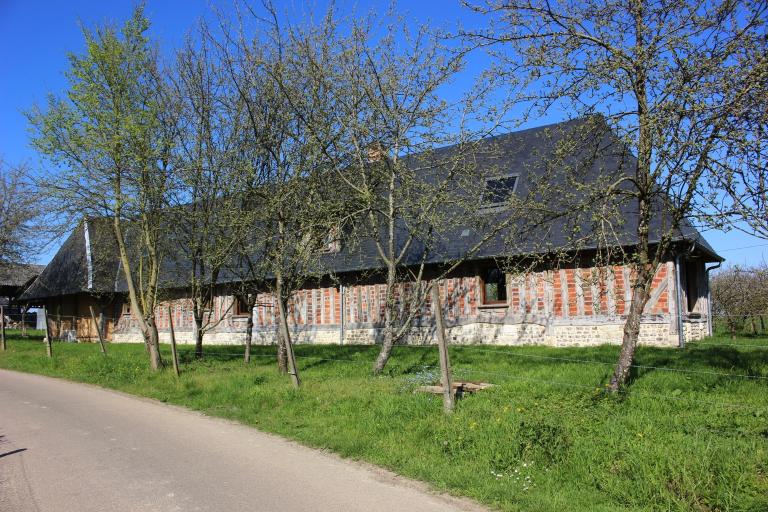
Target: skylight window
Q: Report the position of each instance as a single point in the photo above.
(498, 190)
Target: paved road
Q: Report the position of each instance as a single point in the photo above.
(70, 447)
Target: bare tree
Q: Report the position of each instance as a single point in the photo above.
(668, 78)
(205, 212)
(738, 193)
(293, 204)
(110, 148)
(20, 208)
(386, 116)
(408, 161)
(739, 296)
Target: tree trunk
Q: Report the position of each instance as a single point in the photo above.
(285, 334)
(282, 353)
(198, 326)
(645, 186)
(640, 297)
(147, 325)
(153, 341)
(282, 339)
(248, 334)
(388, 341)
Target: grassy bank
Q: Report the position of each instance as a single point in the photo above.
(545, 438)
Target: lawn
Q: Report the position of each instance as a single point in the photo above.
(545, 438)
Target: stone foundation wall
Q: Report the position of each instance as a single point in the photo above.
(695, 329)
(655, 330)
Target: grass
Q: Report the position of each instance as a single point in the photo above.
(545, 438)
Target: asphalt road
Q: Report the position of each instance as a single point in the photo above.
(71, 447)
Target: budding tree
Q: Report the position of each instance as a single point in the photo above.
(205, 212)
(110, 149)
(740, 295)
(290, 198)
(668, 77)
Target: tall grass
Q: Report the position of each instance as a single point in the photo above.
(545, 438)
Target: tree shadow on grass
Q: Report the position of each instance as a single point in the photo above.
(721, 359)
(725, 364)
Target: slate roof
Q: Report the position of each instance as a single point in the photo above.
(525, 153)
(14, 277)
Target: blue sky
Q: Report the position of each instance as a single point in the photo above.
(36, 36)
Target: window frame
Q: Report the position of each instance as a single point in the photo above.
(484, 302)
(500, 205)
(236, 311)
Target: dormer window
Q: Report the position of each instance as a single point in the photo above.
(332, 241)
(497, 190)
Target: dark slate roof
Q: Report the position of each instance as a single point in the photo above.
(526, 153)
(18, 275)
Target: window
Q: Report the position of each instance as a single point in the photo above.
(498, 190)
(241, 306)
(494, 283)
(332, 241)
(127, 309)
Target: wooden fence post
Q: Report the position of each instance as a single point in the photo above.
(48, 341)
(174, 354)
(442, 345)
(24, 321)
(98, 331)
(2, 328)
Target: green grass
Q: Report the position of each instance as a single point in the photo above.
(545, 438)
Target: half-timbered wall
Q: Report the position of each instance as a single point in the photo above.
(569, 306)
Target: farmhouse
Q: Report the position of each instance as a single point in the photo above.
(559, 302)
